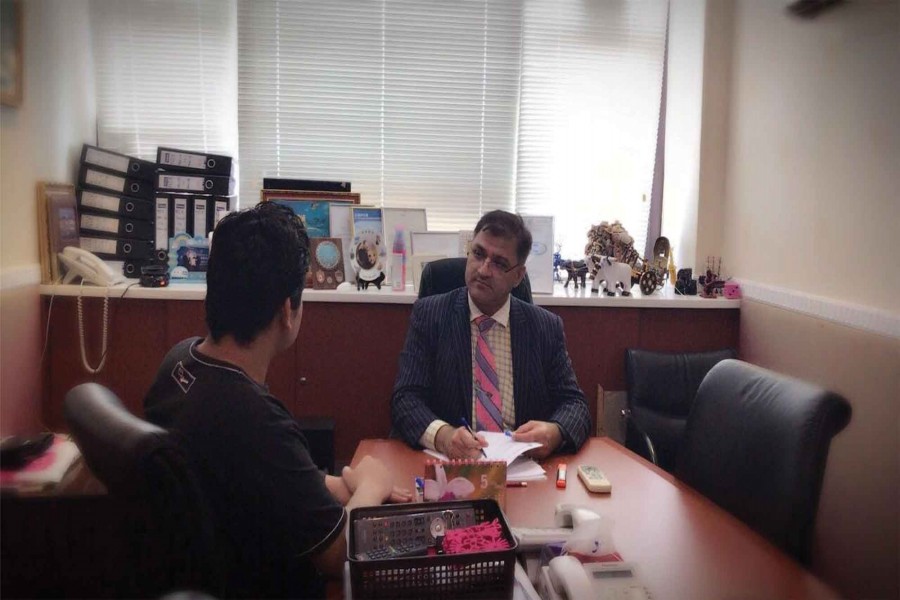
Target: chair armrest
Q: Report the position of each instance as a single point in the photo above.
(626, 414)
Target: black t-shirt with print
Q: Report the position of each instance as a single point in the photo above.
(271, 507)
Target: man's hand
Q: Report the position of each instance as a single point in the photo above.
(545, 433)
(459, 442)
(371, 474)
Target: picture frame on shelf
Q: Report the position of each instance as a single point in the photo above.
(540, 259)
(312, 207)
(57, 225)
(418, 262)
(445, 243)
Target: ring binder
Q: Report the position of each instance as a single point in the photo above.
(111, 204)
(172, 159)
(122, 164)
(217, 185)
(111, 181)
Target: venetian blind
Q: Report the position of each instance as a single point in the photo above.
(166, 75)
(415, 102)
(589, 111)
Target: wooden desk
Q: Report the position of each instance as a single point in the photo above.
(684, 546)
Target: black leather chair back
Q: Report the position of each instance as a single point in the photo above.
(756, 444)
(661, 389)
(447, 274)
(144, 466)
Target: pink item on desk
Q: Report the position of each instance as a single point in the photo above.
(732, 290)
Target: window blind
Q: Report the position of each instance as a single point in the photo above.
(166, 75)
(415, 102)
(589, 109)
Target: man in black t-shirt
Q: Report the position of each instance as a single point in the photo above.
(280, 521)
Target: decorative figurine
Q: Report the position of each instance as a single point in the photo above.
(557, 263)
(576, 270)
(711, 282)
(615, 275)
(613, 241)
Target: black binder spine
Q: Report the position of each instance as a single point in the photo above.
(109, 181)
(200, 220)
(122, 164)
(111, 204)
(305, 185)
(118, 226)
(162, 222)
(172, 159)
(194, 184)
(117, 248)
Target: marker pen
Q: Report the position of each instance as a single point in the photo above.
(561, 475)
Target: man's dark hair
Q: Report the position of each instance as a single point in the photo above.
(258, 257)
(507, 225)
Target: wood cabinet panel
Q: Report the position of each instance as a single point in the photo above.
(345, 361)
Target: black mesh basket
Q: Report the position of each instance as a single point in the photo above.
(486, 575)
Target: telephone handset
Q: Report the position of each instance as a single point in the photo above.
(91, 269)
(566, 578)
(567, 518)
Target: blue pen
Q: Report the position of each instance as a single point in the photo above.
(465, 424)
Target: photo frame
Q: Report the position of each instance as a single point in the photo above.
(11, 48)
(445, 243)
(313, 207)
(57, 225)
(540, 259)
(418, 264)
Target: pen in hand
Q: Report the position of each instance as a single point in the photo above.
(472, 431)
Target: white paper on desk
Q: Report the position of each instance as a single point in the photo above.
(503, 447)
(500, 447)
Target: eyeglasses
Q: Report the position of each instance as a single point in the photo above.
(494, 264)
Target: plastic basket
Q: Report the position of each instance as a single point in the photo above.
(476, 575)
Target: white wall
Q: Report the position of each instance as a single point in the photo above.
(811, 207)
(39, 141)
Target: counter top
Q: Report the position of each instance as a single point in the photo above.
(663, 298)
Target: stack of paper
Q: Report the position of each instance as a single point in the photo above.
(44, 471)
(501, 446)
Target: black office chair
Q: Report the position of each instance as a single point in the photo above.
(172, 535)
(447, 274)
(756, 444)
(661, 389)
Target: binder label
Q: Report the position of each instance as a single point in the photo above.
(180, 222)
(200, 217)
(96, 223)
(162, 222)
(221, 211)
(99, 201)
(104, 180)
(107, 160)
(181, 182)
(98, 246)
(183, 159)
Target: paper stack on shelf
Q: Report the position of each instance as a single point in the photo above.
(45, 471)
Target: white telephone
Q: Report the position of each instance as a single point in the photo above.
(566, 518)
(566, 578)
(91, 269)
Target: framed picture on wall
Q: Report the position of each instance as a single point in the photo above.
(57, 225)
(11, 52)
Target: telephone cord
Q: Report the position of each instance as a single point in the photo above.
(84, 360)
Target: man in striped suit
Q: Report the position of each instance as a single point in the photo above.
(477, 355)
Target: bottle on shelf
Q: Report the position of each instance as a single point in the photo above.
(398, 260)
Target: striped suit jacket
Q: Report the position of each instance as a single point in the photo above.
(435, 375)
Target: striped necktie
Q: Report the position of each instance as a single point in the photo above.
(489, 405)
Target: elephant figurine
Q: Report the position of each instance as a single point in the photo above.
(615, 275)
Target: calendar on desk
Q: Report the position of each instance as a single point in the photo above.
(465, 480)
